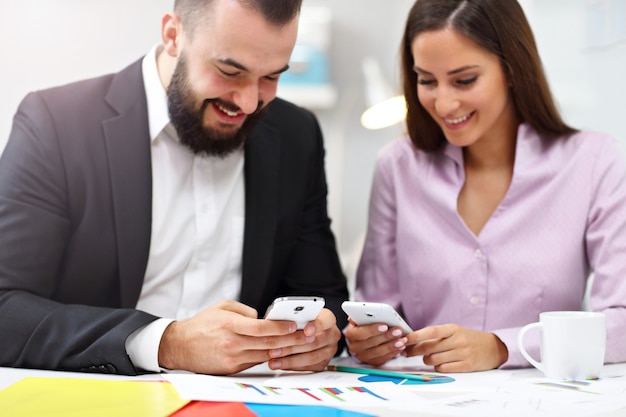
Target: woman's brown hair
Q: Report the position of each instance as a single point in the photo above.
(500, 27)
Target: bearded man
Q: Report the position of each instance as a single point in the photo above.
(147, 217)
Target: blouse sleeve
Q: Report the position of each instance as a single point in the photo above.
(606, 247)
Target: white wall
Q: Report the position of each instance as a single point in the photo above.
(48, 42)
(583, 47)
(51, 42)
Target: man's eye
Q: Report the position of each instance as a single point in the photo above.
(226, 73)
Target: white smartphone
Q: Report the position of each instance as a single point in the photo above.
(363, 313)
(301, 309)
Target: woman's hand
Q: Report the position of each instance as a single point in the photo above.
(374, 344)
(453, 348)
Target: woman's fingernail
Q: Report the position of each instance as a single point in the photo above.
(396, 333)
(383, 328)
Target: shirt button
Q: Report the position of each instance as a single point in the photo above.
(478, 254)
(474, 300)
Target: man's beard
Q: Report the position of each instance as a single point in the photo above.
(186, 117)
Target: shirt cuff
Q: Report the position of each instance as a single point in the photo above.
(516, 359)
(142, 346)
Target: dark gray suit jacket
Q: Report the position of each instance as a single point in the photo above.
(75, 222)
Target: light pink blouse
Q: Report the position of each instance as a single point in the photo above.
(563, 217)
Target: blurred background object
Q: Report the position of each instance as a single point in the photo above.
(308, 80)
(385, 107)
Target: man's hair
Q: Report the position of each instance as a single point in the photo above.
(277, 12)
(501, 28)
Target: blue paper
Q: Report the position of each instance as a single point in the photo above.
(272, 410)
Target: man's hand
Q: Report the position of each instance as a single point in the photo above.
(321, 337)
(228, 338)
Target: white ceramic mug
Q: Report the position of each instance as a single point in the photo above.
(572, 345)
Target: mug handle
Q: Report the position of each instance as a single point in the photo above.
(520, 343)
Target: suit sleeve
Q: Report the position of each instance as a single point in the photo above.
(40, 330)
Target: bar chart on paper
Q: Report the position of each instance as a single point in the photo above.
(318, 394)
(209, 388)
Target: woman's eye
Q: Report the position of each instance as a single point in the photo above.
(422, 81)
(467, 81)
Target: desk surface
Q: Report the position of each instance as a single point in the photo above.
(437, 400)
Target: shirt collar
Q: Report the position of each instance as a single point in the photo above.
(156, 97)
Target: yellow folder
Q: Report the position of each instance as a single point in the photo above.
(73, 397)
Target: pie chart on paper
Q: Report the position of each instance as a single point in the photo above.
(436, 379)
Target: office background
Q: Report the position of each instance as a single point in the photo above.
(582, 42)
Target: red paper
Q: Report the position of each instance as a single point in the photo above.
(214, 409)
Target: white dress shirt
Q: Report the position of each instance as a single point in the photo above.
(197, 227)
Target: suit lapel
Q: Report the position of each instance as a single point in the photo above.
(262, 155)
(128, 146)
